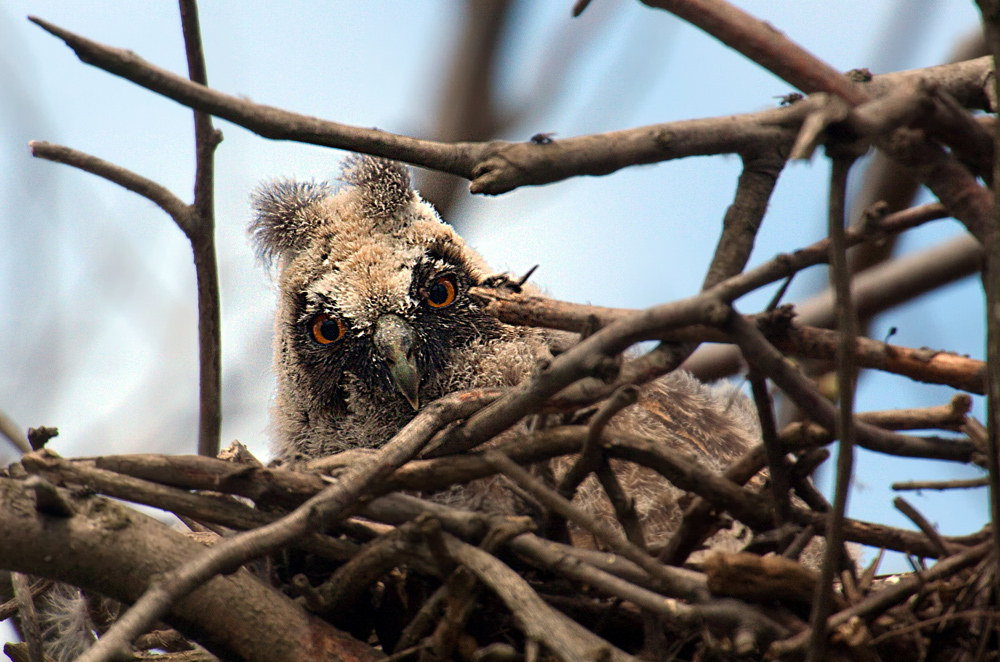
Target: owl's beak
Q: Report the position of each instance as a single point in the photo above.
(396, 344)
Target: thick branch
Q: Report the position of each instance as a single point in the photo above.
(118, 552)
(497, 167)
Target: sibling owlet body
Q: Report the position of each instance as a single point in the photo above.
(375, 320)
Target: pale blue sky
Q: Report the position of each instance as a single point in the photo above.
(97, 319)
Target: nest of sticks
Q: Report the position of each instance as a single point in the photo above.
(349, 562)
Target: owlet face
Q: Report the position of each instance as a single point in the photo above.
(375, 317)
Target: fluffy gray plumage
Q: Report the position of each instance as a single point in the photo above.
(374, 320)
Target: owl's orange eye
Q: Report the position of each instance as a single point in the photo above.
(441, 292)
(326, 329)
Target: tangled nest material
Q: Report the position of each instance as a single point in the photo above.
(417, 579)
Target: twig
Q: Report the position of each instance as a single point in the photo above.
(432, 475)
(9, 608)
(925, 365)
(548, 313)
(202, 507)
(875, 290)
(604, 532)
(339, 593)
(941, 484)
(990, 10)
(10, 431)
(591, 456)
(28, 616)
(563, 637)
(207, 138)
(624, 506)
(582, 360)
(147, 188)
(724, 614)
(188, 219)
(744, 216)
(846, 375)
(954, 186)
(761, 43)
(762, 355)
(903, 506)
(772, 446)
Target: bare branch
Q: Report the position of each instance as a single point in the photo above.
(126, 550)
(604, 532)
(28, 616)
(561, 635)
(200, 232)
(875, 290)
(958, 484)
(990, 10)
(847, 324)
(207, 139)
(176, 208)
(499, 167)
(744, 216)
(925, 365)
(905, 507)
(766, 46)
(951, 182)
(763, 356)
(10, 431)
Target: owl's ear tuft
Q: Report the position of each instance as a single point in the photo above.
(286, 215)
(383, 187)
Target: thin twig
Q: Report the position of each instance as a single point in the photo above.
(604, 532)
(772, 445)
(583, 360)
(147, 188)
(591, 455)
(903, 506)
(795, 339)
(562, 636)
(9, 608)
(957, 484)
(725, 614)
(28, 616)
(761, 43)
(847, 324)
(763, 356)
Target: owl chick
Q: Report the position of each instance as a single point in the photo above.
(375, 319)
